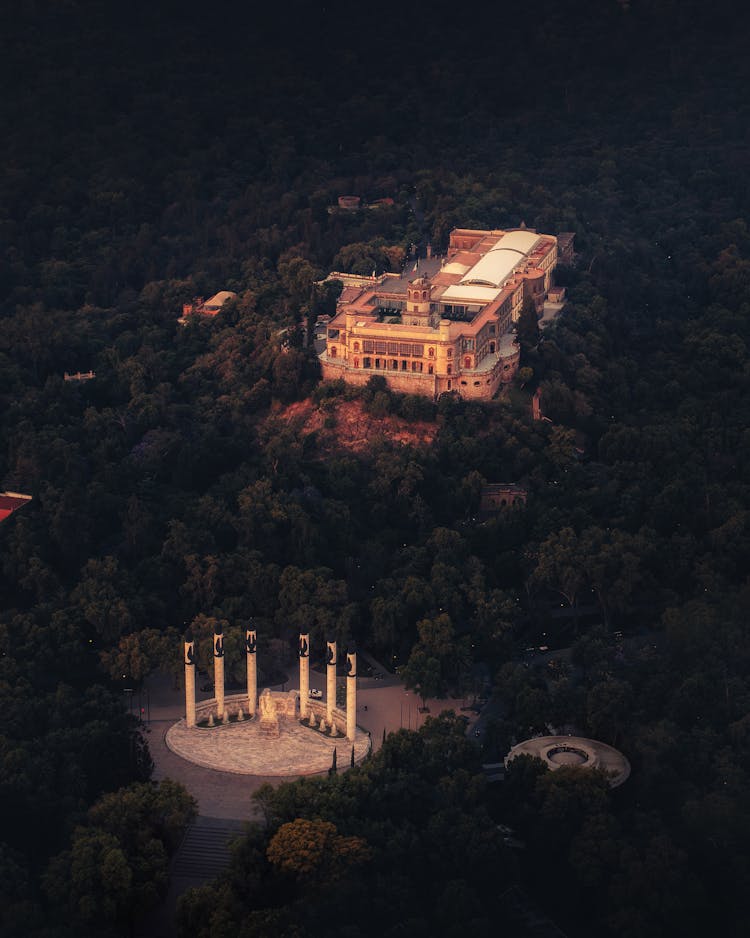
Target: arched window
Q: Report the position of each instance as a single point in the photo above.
(492, 348)
(450, 385)
(333, 351)
(424, 294)
(450, 353)
(430, 352)
(450, 369)
(467, 362)
(356, 346)
(430, 369)
(356, 363)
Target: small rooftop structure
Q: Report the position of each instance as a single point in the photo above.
(209, 307)
(10, 502)
(214, 303)
(556, 295)
(498, 496)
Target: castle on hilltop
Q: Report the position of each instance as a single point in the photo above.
(449, 327)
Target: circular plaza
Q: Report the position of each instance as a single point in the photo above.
(242, 748)
(558, 752)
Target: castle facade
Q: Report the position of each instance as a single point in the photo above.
(448, 324)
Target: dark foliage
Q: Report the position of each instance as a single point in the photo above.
(152, 155)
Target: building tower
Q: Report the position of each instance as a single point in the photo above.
(252, 669)
(219, 671)
(304, 674)
(351, 692)
(418, 294)
(189, 679)
(330, 679)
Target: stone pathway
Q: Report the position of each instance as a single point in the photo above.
(204, 852)
(381, 705)
(219, 794)
(239, 748)
(225, 797)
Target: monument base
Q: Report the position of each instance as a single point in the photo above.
(269, 728)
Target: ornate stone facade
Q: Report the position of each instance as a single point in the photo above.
(447, 328)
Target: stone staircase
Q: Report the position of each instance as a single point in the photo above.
(202, 855)
(204, 852)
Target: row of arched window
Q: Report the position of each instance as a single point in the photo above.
(430, 351)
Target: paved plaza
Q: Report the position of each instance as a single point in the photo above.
(560, 751)
(382, 704)
(241, 749)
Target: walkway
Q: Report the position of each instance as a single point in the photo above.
(382, 704)
(225, 799)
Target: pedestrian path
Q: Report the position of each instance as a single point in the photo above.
(204, 851)
(241, 748)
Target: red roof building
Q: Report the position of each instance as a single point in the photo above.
(448, 324)
(10, 502)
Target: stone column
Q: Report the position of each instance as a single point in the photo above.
(330, 679)
(351, 692)
(189, 679)
(252, 670)
(304, 674)
(219, 671)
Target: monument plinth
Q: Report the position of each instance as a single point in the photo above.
(269, 720)
(215, 734)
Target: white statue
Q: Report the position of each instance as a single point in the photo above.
(267, 705)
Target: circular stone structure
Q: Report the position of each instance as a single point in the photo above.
(560, 751)
(242, 749)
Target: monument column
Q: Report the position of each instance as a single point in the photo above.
(330, 679)
(219, 671)
(304, 674)
(351, 692)
(252, 670)
(189, 679)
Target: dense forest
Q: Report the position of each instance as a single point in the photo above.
(161, 152)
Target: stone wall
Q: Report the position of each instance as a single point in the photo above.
(319, 708)
(404, 383)
(232, 705)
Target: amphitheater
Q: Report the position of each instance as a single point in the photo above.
(560, 751)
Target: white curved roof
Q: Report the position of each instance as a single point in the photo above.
(494, 268)
(521, 240)
(220, 298)
(470, 293)
(455, 268)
